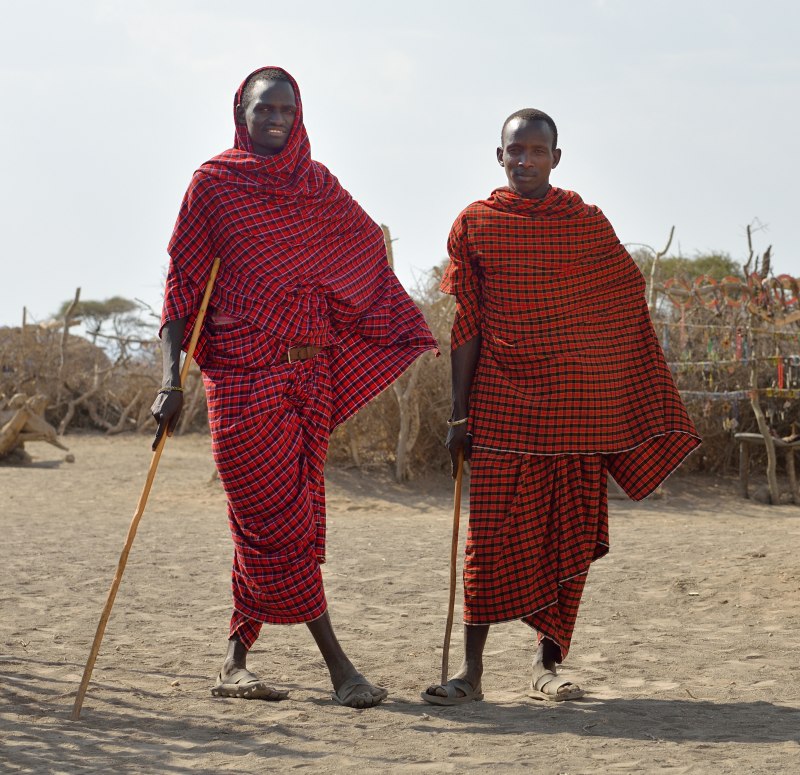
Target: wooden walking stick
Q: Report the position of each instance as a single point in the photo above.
(151, 474)
(453, 558)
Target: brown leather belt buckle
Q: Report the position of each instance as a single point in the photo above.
(302, 353)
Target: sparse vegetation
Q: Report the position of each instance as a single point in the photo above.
(714, 318)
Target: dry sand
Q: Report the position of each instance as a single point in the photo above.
(688, 639)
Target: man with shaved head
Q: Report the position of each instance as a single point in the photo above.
(558, 380)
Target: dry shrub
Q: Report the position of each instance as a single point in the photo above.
(700, 343)
(370, 438)
(89, 389)
(710, 355)
(30, 362)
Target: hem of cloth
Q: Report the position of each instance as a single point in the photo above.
(285, 620)
(667, 475)
(541, 637)
(387, 378)
(596, 452)
(536, 611)
(511, 618)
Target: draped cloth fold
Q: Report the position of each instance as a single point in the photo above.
(536, 524)
(571, 383)
(271, 463)
(301, 264)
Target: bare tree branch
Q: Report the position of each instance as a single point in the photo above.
(651, 301)
(64, 337)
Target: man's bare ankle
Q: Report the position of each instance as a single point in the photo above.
(230, 666)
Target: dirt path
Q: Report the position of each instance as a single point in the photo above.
(688, 637)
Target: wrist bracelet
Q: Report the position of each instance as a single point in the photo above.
(453, 423)
(171, 389)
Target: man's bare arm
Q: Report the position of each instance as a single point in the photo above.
(463, 362)
(167, 406)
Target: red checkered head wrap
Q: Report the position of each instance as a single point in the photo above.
(286, 172)
(302, 263)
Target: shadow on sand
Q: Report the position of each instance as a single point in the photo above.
(116, 731)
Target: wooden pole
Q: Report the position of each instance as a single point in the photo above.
(453, 558)
(64, 340)
(151, 473)
(651, 297)
(387, 238)
(755, 403)
(22, 360)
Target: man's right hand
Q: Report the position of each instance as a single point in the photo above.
(167, 411)
(458, 440)
(463, 362)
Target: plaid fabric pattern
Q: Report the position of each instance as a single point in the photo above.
(301, 264)
(570, 363)
(245, 629)
(536, 523)
(270, 453)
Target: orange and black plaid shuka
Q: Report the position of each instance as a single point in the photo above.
(302, 264)
(571, 384)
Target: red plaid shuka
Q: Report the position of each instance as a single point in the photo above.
(536, 523)
(569, 366)
(301, 264)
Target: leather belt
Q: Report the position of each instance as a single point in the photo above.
(302, 353)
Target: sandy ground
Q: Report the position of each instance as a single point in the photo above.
(688, 638)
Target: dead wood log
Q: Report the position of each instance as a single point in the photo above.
(9, 432)
(25, 423)
(17, 401)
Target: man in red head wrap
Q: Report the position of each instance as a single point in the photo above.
(558, 380)
(306, 324)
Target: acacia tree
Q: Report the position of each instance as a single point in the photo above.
(117, 321)
(716, 265)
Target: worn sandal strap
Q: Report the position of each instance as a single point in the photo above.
(240, 676)
(349, 687)
(546, 679)
(459, 684)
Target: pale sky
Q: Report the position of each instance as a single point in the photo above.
(674, 112)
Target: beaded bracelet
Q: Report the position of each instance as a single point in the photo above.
(171, 389)
(453, 423)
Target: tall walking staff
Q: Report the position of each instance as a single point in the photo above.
(453, 558)
(151, 473)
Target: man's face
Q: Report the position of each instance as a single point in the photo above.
(528, 157)
(269, 116)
